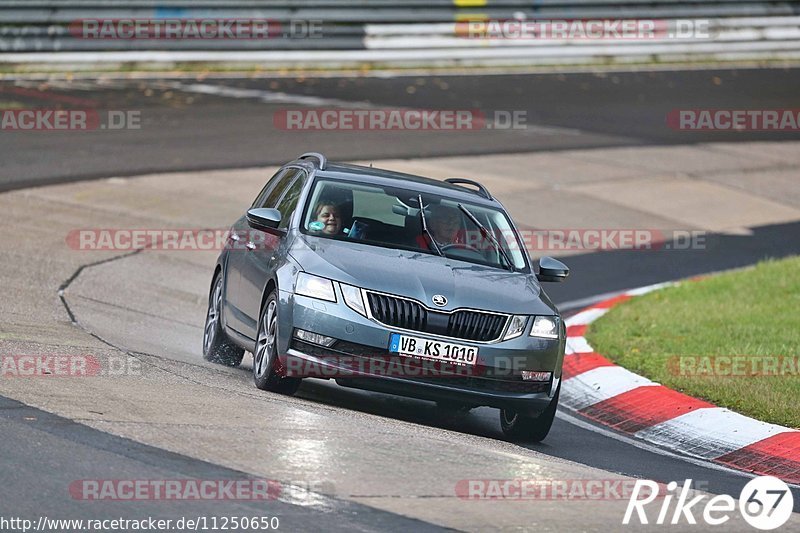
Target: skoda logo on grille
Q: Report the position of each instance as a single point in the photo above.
(439, 300)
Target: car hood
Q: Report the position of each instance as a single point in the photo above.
(420, 276)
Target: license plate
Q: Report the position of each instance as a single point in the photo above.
(430, 349)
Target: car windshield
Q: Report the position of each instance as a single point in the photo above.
(390, 217)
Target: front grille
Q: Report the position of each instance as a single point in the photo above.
(475, 325)
(398, 312)
(411, 315)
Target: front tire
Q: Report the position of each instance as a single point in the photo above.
(265, 357)
(519, 427)
(217, 348)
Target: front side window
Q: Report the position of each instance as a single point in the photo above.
(390, 217)
(288, 203)
(274, 188)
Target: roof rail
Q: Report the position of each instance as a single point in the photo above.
(323, 161)
(483, 191)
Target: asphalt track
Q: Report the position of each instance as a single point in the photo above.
(43, 453)
(562, 111)
(583, 110)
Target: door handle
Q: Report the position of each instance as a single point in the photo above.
(250, 246)
(234, 236)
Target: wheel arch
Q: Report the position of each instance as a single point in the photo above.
(271, 285)
(217, 271)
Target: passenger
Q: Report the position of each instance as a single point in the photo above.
(327, 219)
(445, 225)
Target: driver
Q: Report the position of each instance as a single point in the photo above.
(327, 218)
(445, 225)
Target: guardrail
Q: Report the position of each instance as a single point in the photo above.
(396, 32)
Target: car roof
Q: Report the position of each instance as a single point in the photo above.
(380, 176)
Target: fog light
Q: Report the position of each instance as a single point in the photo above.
(535, 375)
(313, 338)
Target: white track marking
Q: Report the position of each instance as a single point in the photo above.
(276, 97)
(585, 317)
(577, 345)
(709, 432)
(583, 303)
(268, 97)
(648, 288)
(598, 384)
(588, 426)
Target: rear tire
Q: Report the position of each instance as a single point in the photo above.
(217, 347)
(519, 427)
(265, 356)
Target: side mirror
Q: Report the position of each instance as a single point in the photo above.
(552, 270)
(264, 218)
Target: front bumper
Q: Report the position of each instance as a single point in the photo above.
(494, 381)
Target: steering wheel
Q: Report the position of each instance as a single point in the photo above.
(460, 245)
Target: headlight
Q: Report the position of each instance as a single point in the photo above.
(315, 287)
(545, 326)
(353, 299)
(515, 327)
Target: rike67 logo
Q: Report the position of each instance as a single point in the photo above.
(765, 503)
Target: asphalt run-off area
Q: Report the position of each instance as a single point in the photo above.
(586, 163)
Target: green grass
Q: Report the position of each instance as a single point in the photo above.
(751, 312)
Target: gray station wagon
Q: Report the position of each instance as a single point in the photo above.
(392, 283)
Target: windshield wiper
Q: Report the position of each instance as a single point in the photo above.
(425, 226)
(487, 234)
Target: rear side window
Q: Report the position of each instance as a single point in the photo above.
(288, 203)
(274, 188)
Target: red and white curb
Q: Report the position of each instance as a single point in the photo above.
(598, 389)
